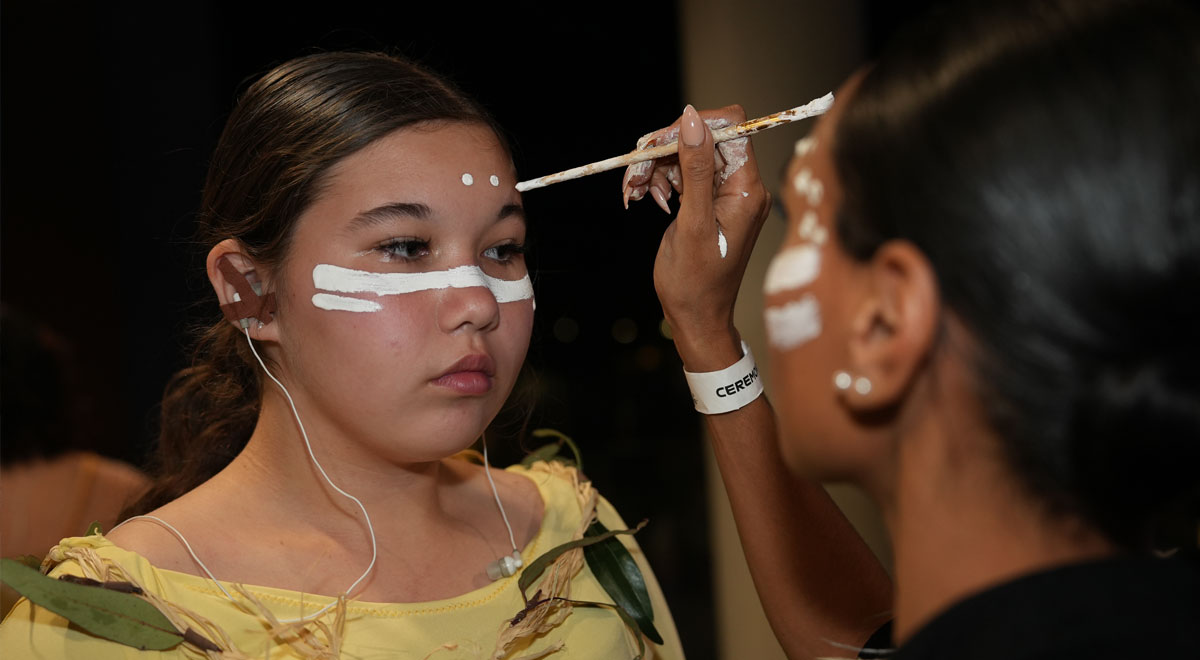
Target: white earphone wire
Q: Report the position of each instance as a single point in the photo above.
(487, 469)
(312, 456)
(308, 446)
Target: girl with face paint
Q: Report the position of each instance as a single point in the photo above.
(368, 242)
(982, 315)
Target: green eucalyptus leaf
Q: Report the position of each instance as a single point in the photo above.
(538, 566)
(562, 439)
(543, 453)
(620, 576)
(120, 617)
(94, 529)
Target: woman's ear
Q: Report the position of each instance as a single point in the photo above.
(244, 296)
(894, 329)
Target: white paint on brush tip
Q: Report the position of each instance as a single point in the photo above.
(793, 324)
(467, 179)
(793, 268)
(346, 280)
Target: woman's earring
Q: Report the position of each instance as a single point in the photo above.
(843, 381)
(862, 385)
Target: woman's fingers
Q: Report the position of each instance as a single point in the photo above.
(697, 164)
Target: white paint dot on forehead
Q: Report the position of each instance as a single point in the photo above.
(467, 179)
(809, 186)
(494, 180)
(808, 224)
(805, 145)
(793, 268)
(795, 323)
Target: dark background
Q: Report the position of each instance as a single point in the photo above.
(109, 113)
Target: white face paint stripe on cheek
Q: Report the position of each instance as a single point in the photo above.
(793, 324)
(793, 268)
(347, 280)
(343, 304)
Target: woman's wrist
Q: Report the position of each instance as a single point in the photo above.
(709, 351)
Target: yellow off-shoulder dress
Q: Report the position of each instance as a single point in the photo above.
(460, 628)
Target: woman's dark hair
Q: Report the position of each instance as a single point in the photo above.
(1045, 157)
(287, 130)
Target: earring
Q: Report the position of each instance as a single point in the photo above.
(862, 385)
(843, 381)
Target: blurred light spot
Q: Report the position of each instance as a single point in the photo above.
(664, 329)
(648, 358)
(566, 330)
(624, 331)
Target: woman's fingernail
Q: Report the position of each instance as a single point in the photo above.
(691, 127)
(661, 199)
(626, 191)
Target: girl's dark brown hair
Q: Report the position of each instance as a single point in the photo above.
(286, 131)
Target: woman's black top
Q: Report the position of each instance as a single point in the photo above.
(1127, 607)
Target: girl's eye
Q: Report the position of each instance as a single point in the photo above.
(404, 249)
(505, 252)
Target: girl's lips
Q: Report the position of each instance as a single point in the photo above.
(466, 382)
(470, 375)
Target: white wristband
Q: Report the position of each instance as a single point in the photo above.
(716, 392)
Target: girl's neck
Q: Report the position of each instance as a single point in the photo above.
(276, 465)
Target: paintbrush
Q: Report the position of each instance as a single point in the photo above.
(810, 109)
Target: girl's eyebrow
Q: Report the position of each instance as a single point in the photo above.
(416, 210)
(510, 211)
(387, 212)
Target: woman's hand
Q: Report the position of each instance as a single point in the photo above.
(704, 251)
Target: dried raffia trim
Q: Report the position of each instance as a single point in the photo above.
(103, 570)
(551, 605)
(324, 643)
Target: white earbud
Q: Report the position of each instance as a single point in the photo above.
(505, 566)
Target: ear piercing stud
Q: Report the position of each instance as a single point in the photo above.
(843, 381)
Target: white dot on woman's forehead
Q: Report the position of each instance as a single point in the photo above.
(494, 180)
(467, 179)
(805, 145)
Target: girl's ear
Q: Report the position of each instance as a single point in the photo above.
(243, 295)
(896, 327)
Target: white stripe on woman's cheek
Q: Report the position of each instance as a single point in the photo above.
(795, 323)
(346, 280)
(793, 268)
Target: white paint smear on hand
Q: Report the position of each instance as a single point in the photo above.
(722, 244)
(795, 323)
(793, 268)
(346, 280)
